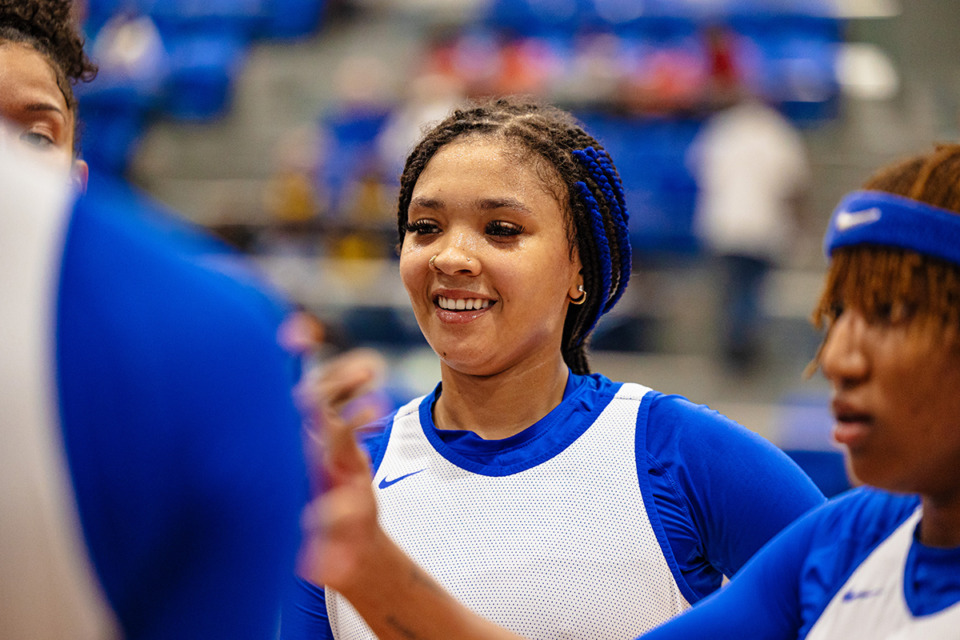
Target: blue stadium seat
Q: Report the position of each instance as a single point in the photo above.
(203, 70)
(113, 120)
(349, 149)
(290, 19)
(243, 17)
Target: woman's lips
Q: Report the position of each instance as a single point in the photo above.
(852, 425)
(461, 308)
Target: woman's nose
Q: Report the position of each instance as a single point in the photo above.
(457, 256)
(843, 359)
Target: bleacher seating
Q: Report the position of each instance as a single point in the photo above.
(205, 43)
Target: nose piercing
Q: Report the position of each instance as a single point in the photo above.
(433, 260)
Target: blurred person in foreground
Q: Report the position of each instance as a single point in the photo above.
(151, 472)
(151, 469)
(882, 561)
(41, 58)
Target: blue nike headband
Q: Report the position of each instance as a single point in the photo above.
(876, 217)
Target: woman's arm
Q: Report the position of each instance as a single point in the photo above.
(738, 488)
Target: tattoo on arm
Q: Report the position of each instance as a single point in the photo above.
(404, 631)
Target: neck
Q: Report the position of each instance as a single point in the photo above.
(501, 405)
(940, 526)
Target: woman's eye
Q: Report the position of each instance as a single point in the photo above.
(37, 140)
(897, 313)
(501, 228)
(833, 314)
(422, 227)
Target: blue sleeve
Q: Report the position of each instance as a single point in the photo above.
(762, 601)
(782, 591)
(181, 434)
(721, 491)
(304, 615)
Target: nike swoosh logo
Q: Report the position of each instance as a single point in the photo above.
(384, 483)
(849, 219)
(860, 595)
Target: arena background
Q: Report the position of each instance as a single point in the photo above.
(280, 125)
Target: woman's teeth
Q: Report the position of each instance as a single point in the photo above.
(462, 304)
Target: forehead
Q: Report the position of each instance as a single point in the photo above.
(26, 77)
(487, 163)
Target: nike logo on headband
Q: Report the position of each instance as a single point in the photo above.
(849, 219)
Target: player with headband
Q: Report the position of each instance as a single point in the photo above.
(879, 562)
(546, 497)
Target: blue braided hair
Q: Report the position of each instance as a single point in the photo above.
(604, 174)
(585, 180)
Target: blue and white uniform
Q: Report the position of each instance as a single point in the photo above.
(158, 473)
(608, 516)
(850, 569)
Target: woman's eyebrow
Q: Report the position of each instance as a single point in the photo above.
(45, 107)
(484, 204)
(422, 202)
(503, 203)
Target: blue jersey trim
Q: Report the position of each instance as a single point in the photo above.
(645, 467)
(584, 401)
(923, 599)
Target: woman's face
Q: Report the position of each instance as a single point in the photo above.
(33, 106)
(896, 400)
(497, 293)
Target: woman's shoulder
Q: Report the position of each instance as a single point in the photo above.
(864, 513)
(677, 418)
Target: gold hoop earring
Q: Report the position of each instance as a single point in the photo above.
(581, 298)
(432, 263)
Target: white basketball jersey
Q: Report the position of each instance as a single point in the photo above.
(561, 550)
(48, 588)
(871, 605)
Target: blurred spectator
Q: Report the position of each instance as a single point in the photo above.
(293, 195)
(430, 98)
(129, 48)
(350, 130)
(752, 172)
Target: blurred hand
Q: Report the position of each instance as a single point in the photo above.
(340, 524)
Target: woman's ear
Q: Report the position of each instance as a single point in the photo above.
(79, 174)
(576, 291)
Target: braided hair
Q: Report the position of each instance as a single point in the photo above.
(48, 27)
(588, 190)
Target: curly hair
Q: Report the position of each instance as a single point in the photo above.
(48, 27)
(587, 186)
(879, 280)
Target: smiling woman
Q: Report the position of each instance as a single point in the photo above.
(554, 501)
(880, 562)
(41, 58)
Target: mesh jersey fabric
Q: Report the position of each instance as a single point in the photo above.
(584, 564)
(715, 491)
